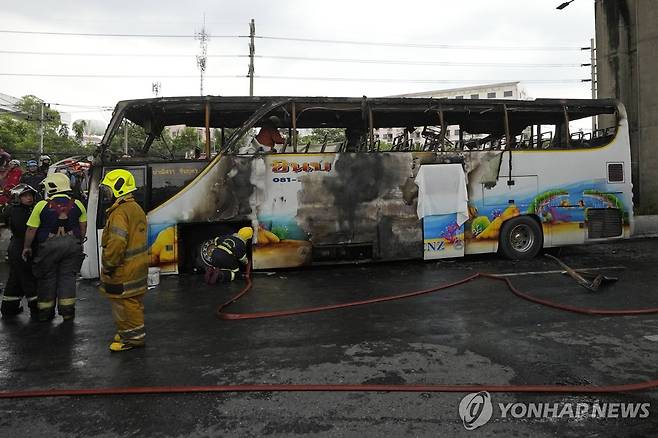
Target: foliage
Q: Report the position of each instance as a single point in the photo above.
(19, 134)
(318, 136)
(79, 129)
(384, 146)
(186, 139)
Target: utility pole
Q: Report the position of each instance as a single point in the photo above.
(252, 51)
(155, 88)
(43, 105)
(592, 79)
(201, 60)
(592, 52)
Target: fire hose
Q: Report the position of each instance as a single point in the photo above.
(406, 388)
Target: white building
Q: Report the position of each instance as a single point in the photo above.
(8, 103)
(503, 90)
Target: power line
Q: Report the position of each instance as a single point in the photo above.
(88, 54)
(304, 40)
(295, 78)
(91, 108)
(421, 81)
(119, 35)
(416, 45)
(305, 58)
(110, 76)
(402, 62)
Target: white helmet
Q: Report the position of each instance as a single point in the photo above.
(56, 183)
(44, 158)
(15, 163)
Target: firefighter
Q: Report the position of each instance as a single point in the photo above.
(21, 282)
(44, 164)
(228, 254)
(33, 176)
(125, 259)
(59, 224)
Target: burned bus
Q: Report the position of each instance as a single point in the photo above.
(519, 176)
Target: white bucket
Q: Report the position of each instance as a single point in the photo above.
(153, 277)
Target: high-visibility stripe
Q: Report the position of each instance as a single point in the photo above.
(31, 299)
(66, 301)
(124, 288)
(45, 304)
(6, 298)
(136, 330)
(132, 335)
(135, 251)
(119, 232)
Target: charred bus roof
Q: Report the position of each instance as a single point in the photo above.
(474, 115)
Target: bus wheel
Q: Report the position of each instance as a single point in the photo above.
(521, 238)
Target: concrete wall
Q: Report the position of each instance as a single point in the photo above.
(627, 66)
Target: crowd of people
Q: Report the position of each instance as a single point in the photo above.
(11, 174)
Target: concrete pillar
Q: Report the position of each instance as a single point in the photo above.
(627, 59)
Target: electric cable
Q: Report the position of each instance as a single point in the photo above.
(405, 388)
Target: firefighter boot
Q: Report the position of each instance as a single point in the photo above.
(123, 346)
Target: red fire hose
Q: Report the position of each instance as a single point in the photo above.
(464, 388)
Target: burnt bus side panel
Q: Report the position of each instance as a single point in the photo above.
(298, 203)
(327, 206)
(361, 202)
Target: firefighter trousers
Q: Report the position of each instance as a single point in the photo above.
(225, 267)
(56, 266)
(21, 282)
(128, 314)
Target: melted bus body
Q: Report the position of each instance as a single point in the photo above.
(521, 176)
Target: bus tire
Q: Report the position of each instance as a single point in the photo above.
(521, 238)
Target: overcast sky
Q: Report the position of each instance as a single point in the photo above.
(492, 32)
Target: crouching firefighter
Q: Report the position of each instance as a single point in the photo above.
(125, 259)
(59, 224)
(21, 282)
(224, 255)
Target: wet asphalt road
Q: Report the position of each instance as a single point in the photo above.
(476, 333)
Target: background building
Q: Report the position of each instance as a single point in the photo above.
(8, 104)
(503, 90)
(627, 62)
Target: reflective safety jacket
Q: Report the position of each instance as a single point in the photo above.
(58, 215)
(234, 246)
(125, 257)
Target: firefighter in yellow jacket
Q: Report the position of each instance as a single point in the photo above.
(125, 260)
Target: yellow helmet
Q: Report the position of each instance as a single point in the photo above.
(246, 233)
(56, 183)
(120, 181)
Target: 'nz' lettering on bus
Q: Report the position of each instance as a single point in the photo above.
(435, 246)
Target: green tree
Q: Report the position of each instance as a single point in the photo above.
(318, 135)
(186, 139)
(164, 146)
(79, 129)
(20, 133)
